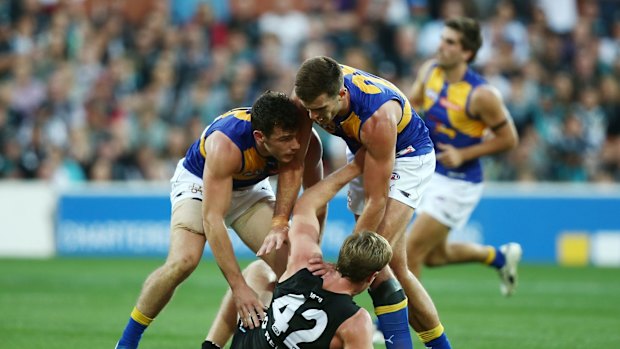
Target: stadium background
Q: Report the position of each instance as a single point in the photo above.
(99, 99)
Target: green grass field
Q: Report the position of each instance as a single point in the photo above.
(85, 303)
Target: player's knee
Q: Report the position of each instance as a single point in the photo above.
(415, 257)
(181, 267)
(399, 268)
(436, 258)
(259, 268)
(388, 292)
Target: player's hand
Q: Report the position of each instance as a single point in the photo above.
(277, 237)
(249, 308)
(449, 156)
(318, 267)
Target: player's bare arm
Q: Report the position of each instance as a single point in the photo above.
(222, 161)
(378, 135)
(416, 95)
(290, 178)
(304, 234)
(487, 103)
(356, 332)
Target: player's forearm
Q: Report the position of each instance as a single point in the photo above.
(489, 147)
(221, 247)
(371, 215)
(289, 183)
(319, 194)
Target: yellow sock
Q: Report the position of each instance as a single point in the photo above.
(427, 336)
(140, 318)
(491, 255)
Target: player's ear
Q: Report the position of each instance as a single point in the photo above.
(372, 277)
(259, 136)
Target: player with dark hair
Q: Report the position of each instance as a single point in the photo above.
(309, 311)
(459, 108)
(223, 181)
(370, 112)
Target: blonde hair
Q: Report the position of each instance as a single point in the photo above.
(362, 254)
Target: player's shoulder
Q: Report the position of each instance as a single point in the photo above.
(360, 321)
(357, 329)
(485, 93)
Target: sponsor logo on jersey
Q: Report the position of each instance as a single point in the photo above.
(444, 102)
(432, 94)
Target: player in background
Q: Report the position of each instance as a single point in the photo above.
(459, 107)
(311, 311)
(370, 112)
(223, 181)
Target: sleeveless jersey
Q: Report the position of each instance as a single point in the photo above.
(369, 92)
(446, 113)
(236, 125)
(302, 315)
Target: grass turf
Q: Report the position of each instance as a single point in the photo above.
(85, 303)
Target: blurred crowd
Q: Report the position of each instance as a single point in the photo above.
(100, 90)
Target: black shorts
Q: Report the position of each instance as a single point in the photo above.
(245, 338)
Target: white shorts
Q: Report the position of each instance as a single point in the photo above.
(186, 185)
(410, 177)
(451, 201)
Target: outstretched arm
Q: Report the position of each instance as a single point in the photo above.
(304, 234)
(222, 161)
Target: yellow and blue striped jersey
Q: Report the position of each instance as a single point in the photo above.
(369, 92)
(236, 125)
(446, 113)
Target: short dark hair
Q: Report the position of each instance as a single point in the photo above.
(316, 76)
(274, 109)
(471, 38)
(362, 254)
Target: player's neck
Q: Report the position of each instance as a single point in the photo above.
(345, 107)
(456, 73)
(262, 151)
(335, 282)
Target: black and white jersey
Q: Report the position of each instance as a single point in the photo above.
(302, 315)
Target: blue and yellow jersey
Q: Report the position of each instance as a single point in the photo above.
(236, 125)
(368, 93)
(446, 113)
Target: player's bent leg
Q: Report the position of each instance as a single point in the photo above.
(390, 305)
(261, 279)
(253, 226)
(395, 314)
(460, 252)
(187, 242)
(422, 312)
(427, 237)
(423, 315)
(224, 323)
